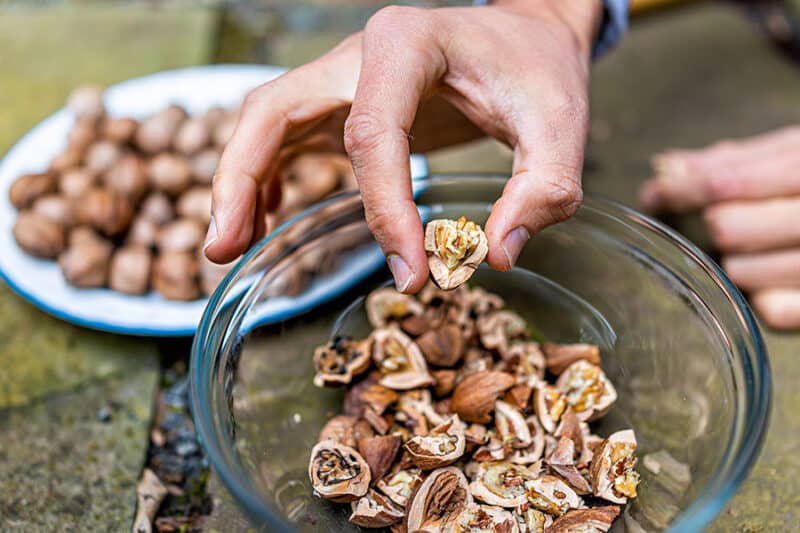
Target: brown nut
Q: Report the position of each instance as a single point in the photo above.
(442, 446)
(444, 381)
(510, 426)
(119, 130)
(340, 429)
(375, 511)
(86, 102)
(181, 235)
(29, 187)
(128, 177)
(387, 305)
(552, 495)
(175, 276)
(337, 472)
(587, 390)
(214, 115)
(211, 274)
(101, 156)
(108, 212)
(560, 356)
(158, 208)
(474, 398)
(481, 518)
(455, 250)
(337, 361)
(612, 469)
(85, 263)
(436, 504)
(399, 360)
(56, 208)
(39, 235)
(443, 346)
(170, 174)
(595, 519)
(69, 158)
(192, 136)
(481, 302)
(143, 231)
(519, 396)
(155, 134)
(130, 270)
(315, 175)
(196, 204)
(379, 452)
(378, 398)
(501, 484)
(76, 182)
(204, 165)
(82, 134)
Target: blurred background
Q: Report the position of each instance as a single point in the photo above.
(689, 73)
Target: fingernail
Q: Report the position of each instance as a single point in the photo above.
(513, 243)
(211, 236)
(402, 273)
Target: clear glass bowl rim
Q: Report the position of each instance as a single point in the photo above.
(699, 514)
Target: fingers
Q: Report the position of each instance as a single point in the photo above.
(268, 116)
(400, 64)
(754, 226)
(754, 272)
(780, 308)
(545, 186)
(759, 167)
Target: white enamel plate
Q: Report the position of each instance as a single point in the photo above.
(41, 282)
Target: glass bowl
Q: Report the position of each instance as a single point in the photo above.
(678, 341)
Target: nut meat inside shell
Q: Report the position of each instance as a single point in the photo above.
(338, 473)
(399, 359)
(442, 446)
(612, 468)
(438, 501)
(455, 249)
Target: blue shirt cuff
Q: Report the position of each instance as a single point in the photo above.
(615, 22)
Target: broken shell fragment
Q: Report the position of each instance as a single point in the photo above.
(399, 485)
(612, 469)
(399, 359)
(339, 360)
(549, 404)
(379, 452)
(387, 305)
(375, 511)
(533, 452)
(443, 445)
(443, 346)
(528, 360)
(511, 426)
(474, 398)
(596, 519)
(552, 495)
(560, 356)
(498, 329)
(340, 429)
(437, 503)
(532, 520)
(455, 249)
(337, 472)
(562, 461)
(587, 390)
(501, 483)
(484, 519)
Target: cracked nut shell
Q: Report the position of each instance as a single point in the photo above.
(337, 472)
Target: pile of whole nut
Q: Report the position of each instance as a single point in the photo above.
(127, 204)
(455, 420)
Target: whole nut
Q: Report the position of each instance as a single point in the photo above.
(76, 182)
(82, 134)
(38, 235)
(105, 210)
(474, 398)
(170, 173)
(443, 346)
(158, 208)
(29, 187)
(85, 263)
(155, 134)
(101, 156)
(56, 208)
(87, 102)
(193, 135)
(128, 177)
(130, 270)
(204, 165)
(81, 234)
(196, 204)
(175, 276)
(316, 176)
(182, 235)
(119, 130)
(143, 231)
(69, 158)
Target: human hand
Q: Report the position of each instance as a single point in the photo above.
(518, 70)
(749, 192)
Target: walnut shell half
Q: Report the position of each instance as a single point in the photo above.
(455, 249)
(437, 503)
(479, 518)
(375, 511)
(399, 359)
(613, 476)
(337, 472)
(443, 445)
(594, 519)
(501, 483)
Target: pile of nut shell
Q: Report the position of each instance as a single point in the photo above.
(128, 202)
(456, 421)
